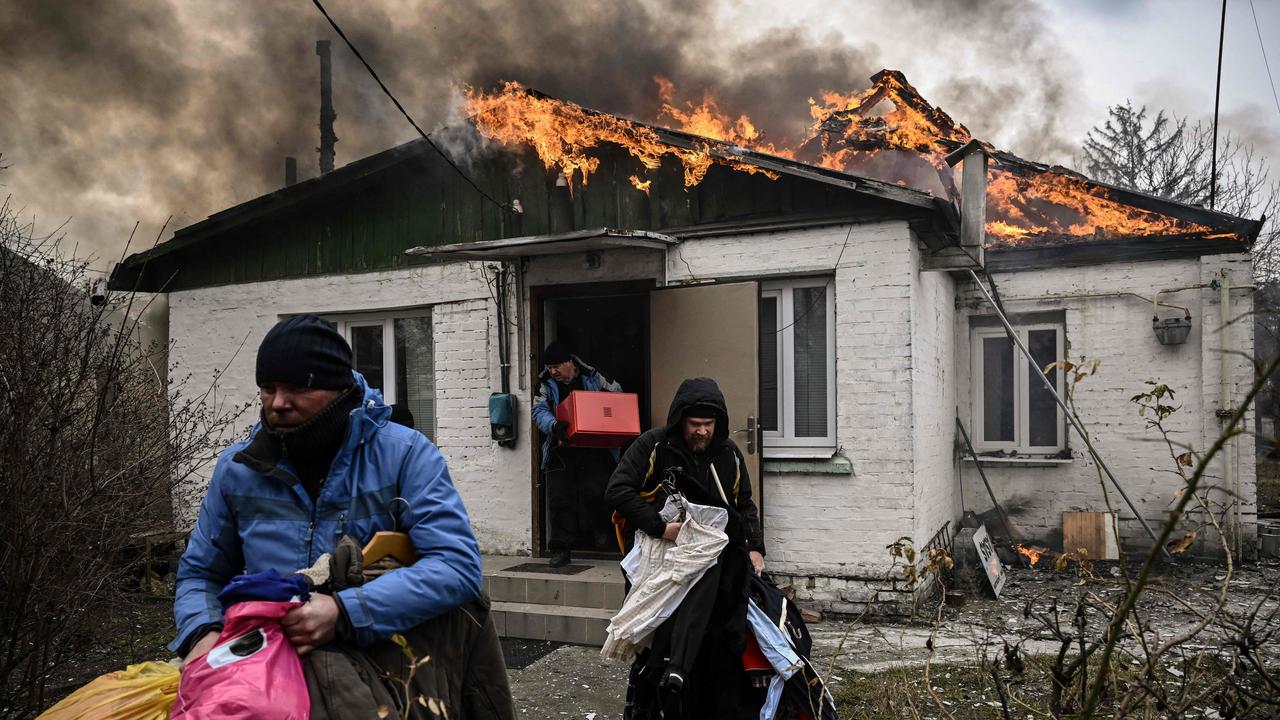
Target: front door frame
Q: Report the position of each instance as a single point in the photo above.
(537, 295)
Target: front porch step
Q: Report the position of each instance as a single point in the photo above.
(533, 621)
(536, 604)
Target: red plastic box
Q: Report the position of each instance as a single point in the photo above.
(600, 419)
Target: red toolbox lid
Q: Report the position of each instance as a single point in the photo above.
(600, 419)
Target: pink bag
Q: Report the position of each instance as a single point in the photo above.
(253, 673)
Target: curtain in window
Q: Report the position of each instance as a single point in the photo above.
(769, 363)
(415, 372)
(1042, 410)
(997, 389)
(809, 306)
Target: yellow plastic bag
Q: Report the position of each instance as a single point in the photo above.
(139, 692)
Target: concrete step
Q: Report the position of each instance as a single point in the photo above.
(534, 621)
(531, 600)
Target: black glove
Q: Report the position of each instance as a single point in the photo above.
(561, 431)
(346, 566)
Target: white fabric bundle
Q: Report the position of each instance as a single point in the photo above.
(662, 573)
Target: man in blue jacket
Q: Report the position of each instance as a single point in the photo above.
(324, 462)
(575, 477)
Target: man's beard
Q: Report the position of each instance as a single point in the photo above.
(699, 443)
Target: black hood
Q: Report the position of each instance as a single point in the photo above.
(699, 391)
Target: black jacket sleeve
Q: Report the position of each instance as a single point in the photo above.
(746, 507)
(623, 493)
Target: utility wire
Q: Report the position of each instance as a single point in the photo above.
(1265, 64)
(1217, 97)
(387, 91)
(813, 305)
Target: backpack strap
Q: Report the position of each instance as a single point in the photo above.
(648, 496)
(716, 476)
(737, 475)
(619, 520)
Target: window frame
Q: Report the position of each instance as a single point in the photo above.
(1023, 380)
(783, 443)
(386, 320)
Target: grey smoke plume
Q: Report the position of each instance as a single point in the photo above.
(114, 112)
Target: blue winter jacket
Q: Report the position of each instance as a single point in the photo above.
(252, 521)
(548, 398)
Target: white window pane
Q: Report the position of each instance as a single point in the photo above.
(1042, 410)
(366, 348)
(415, 372)
(810, 332)
(769, 370)
(997, 389)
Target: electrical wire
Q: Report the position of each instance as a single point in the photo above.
(389, 94)
(1265, 63)
(813, 305)
(1217, 97)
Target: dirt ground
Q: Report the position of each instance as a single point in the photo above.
(566, 681)
(863, 657)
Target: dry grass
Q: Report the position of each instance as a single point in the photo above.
(969, 691)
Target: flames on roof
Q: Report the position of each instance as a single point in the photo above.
(887, 132)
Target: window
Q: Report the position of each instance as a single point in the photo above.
(797, 367)
(1012, 410)
(394, 353)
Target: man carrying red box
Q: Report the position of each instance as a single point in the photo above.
(575, 476)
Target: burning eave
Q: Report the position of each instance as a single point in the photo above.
(1203, 224)
(732, 154)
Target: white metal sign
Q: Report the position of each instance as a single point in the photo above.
(989, 559)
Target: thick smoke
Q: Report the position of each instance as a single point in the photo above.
(117, 112)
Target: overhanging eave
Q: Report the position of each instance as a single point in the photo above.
(595, 239)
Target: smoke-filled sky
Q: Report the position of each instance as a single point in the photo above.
(115, 112)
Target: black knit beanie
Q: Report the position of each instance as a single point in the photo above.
(702, 412)
(554, 354)
(305, 351)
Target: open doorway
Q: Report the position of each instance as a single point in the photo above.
(607, 326)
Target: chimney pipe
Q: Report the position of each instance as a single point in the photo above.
(290, 171)
(327, 114)
(973, 197)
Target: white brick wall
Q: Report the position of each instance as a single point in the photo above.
(832, 530)
(933, 380)
(1117, 331)
(221, 327)
(902, 368)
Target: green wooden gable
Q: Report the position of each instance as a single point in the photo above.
(363, 216)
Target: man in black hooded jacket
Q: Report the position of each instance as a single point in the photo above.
(693, 667)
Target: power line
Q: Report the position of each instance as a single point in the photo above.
(1266, 64)
(820, 298)
(389, 94)
(1217, 96)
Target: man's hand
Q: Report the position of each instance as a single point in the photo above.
(311, 625)
(757, 562)
(561, 432)
(673, 529)
(204, 645)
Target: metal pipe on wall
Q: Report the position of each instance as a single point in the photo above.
(522, 340)
(1229, 477)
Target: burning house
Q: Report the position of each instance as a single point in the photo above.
(826, 286)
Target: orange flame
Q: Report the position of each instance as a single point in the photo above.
(1032, 554)
(887, 132)
(706, 120)
(910, 123)
(561, 133)
(1051, 203)
(564, 134)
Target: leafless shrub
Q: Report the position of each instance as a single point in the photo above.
(92, 441)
